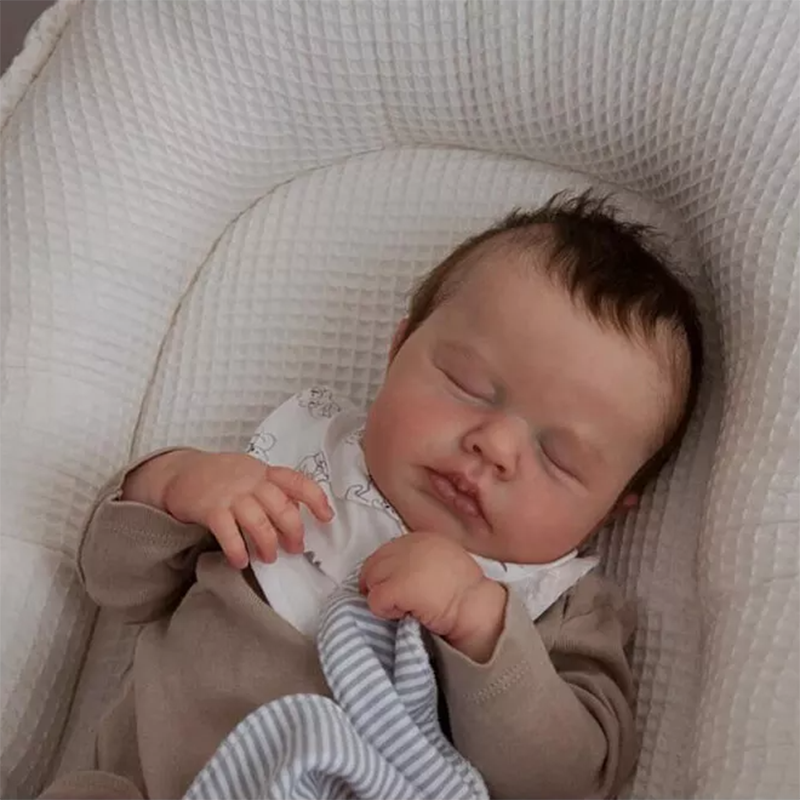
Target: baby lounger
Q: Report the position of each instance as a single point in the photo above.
(208, 206)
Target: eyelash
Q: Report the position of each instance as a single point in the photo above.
(547, 457)
(460, 386)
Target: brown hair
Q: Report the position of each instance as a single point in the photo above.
(616, 269)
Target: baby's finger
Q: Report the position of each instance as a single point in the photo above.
(302, 489)
(253, 520)
(225, 530)
(377, 568)
(382, 602)
(363, 579)
(284, 516)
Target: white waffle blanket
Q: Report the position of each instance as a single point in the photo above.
(207, 207)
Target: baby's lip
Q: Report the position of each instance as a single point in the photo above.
(459, 492)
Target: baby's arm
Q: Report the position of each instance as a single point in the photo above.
(144, 537)
(134, 557)
(549, 715)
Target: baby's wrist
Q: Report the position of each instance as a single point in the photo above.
(148, 483)
(480, 620)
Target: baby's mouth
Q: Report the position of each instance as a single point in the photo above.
(455, 493)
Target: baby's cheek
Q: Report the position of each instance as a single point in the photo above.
(415, 426)
(405, 421)
(540, 530)
(388, 439)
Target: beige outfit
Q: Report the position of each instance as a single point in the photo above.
(548, 716)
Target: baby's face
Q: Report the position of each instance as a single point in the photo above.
(510, 420)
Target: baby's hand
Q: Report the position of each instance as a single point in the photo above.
(436, 581)
(231, 494)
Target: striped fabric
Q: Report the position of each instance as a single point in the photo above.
(378, 738)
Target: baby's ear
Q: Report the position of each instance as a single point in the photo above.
(625, 503)
(398, 338)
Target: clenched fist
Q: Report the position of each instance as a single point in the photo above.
(436, 581)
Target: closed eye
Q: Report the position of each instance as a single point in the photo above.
(468, 390)
(553, 462)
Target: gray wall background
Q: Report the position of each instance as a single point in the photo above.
(16, 16)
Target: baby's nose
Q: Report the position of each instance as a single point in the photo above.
(497, 442)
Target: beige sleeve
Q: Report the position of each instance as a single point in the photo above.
(550, 714)
(92, 785)
(137, 559)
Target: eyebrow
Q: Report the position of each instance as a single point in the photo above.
(463, 349)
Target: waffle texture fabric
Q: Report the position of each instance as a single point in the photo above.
(210, 206)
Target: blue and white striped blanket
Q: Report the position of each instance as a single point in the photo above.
(378, 738)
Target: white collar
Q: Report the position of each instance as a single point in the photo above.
(350, 480)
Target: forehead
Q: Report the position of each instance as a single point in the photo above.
(543, 344)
